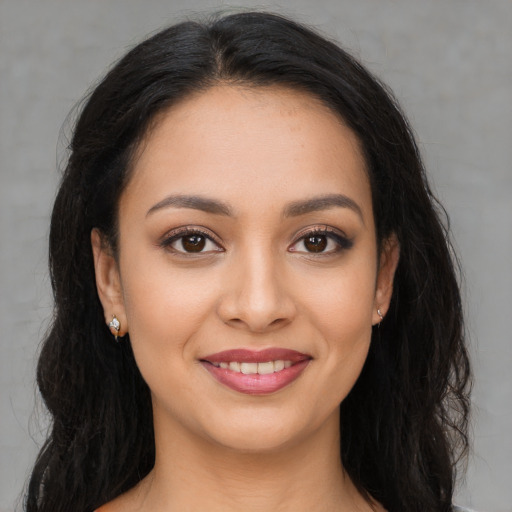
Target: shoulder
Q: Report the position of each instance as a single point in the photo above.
(462, 509)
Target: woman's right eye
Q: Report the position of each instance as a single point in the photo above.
(191, 242)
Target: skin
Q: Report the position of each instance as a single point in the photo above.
(256, 285)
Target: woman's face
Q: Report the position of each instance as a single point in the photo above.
(247, 226)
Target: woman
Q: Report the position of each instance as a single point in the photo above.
(256, 305)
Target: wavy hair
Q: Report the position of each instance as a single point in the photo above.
(403, 425)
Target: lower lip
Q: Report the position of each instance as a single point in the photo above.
(256, 384)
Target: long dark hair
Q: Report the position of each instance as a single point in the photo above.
(403, 425)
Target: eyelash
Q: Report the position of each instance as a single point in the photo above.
(342, 242)
(182, 233)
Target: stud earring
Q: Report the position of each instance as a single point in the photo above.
(115, 326)
(380, 314)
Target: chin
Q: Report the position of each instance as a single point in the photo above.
(256, 441)
(255, 432)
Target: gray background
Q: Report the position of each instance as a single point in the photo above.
(449, 63)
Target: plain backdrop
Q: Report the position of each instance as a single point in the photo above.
(448, 61)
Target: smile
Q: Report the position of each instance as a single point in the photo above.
(255, 368)
(256, 373)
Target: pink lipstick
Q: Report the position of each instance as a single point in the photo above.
(256, 372)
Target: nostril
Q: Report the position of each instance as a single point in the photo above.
(257, 312)
(235, 322)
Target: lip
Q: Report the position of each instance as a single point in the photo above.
(243, 355)
(256, 384)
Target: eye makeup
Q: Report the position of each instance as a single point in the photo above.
(194, 241)
(190, 240)
(315, 241)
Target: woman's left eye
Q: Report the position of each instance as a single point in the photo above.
(321, 242)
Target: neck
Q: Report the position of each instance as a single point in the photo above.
(194, 473)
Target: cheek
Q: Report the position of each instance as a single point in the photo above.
(164, 308)
(344, 302)
(341, 309)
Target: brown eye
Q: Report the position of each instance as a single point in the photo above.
(190, 241)
(321, 242)
(315, 243)
(193, 243)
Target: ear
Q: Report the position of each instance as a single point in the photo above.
(108, 281)
(389, 256)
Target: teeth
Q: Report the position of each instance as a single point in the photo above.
(249, 368)
(279, 365)
(255, 368)
(266, 368)
(234, 366)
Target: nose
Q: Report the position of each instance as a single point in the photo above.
(257, 297)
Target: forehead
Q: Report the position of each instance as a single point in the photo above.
(268, 144)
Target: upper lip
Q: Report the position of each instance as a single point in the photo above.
(243, 355)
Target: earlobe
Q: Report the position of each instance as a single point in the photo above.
(389, 257)
(108, 282)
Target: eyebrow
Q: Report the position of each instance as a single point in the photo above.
(326, 202)
(293, 209)
(194, 202)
